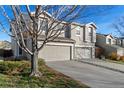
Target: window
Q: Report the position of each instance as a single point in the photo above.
(58, 27)
(90, 33)
(43, 24)
(68, 31)
(121, 42)
(20, 49)
(78, 30)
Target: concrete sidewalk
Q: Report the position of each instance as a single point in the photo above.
(104, 64)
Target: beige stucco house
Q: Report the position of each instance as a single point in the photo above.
(77, 41)
(109, 44)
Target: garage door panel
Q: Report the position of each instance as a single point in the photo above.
(82, 53)
(55, 53)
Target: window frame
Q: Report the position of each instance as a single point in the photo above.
(46, 25)
(78, 31)
(90, 33)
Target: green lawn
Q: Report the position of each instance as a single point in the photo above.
(16, 74)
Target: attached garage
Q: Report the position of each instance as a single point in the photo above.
(58, 50)
(83, 52)
(60, 53)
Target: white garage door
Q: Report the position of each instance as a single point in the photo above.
(55, 53)
(82, 53)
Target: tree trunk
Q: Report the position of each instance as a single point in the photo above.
(34, 65)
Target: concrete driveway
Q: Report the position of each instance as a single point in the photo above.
(93, 76)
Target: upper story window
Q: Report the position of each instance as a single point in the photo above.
(57, 26)
(90, 34)
(78, 30)
(68, 31)
(43, 24)
(90, 31)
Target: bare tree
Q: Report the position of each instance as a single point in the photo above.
(46, 22)
(43, 22)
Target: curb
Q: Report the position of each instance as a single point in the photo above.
(117, 70)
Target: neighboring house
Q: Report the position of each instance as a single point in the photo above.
(85, 37)
(5, 49)
(6, 45)
(77, 41)
(109, 44)
(120, 41)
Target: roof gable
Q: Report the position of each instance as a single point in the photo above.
(92, 24)
(109, 35)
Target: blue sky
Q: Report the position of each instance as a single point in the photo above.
(102, 16)
(105, 19)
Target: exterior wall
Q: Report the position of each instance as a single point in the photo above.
(84, 43)
(93, 51)
(107, 40)
(84, 34)
(122, 42)
(89, 29)
(14, 47)
(115, 41)
(120, 52)
(77, 38)
(100, 40)
(48, 18)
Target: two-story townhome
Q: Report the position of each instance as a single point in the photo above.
(77, 41)
(109, 44)
(85, 37)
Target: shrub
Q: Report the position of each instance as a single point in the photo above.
(20, 58)
(118, 57)
(9, 59)
(41, 61)
(5, 53)
(11, 68)
(122, 58)
(16, 67)
(114, 56)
